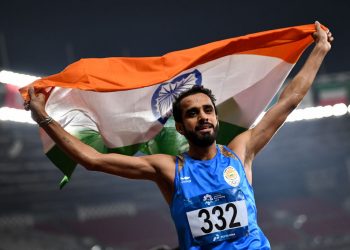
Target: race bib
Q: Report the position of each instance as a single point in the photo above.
(218, 216)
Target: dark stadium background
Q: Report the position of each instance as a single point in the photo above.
(301, 179)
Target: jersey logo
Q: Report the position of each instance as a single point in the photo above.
(216, 237)
(185, 179)
(165, 94)
(208, 199)
(231, 176)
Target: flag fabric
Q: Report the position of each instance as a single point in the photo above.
(124, 105)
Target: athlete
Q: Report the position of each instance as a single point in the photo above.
(209, 188)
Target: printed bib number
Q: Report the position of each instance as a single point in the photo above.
(218, 218)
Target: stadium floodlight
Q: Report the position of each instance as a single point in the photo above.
(17, 79)
(327, 111)
(339, 109)
(311, 113)
(20, 80)
(319, 112)
(15, 115)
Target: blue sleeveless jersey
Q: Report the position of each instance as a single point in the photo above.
(213, 204)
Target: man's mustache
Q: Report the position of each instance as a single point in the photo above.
(204, 125)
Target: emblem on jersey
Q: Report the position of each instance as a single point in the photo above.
(231, 176)
(208, 199)
(165, 94)
(185, 179)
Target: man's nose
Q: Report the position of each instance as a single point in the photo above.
(203, 115)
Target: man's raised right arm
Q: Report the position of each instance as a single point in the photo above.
(145, 167)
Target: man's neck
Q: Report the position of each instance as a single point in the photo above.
(202, 153)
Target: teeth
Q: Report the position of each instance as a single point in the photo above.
(204, 127)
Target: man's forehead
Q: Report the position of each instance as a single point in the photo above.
(195, 100)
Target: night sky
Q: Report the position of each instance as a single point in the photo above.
(42, 37)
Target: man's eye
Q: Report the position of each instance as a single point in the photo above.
(209, 110)
(191, 113)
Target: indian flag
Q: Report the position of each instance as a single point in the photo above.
(124, 105)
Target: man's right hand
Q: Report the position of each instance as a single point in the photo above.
(36, 105)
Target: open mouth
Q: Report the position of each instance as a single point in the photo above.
(204, 127)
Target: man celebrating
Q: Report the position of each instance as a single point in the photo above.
(209, 188)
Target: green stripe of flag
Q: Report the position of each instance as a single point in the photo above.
(168, 141)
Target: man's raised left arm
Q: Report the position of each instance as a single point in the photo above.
(249, 143)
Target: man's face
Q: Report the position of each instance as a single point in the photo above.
(199, 121)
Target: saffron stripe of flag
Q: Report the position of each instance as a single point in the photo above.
(123, 105)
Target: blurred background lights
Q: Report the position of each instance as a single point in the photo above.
(16, 79)
(20, 80)
(15, 115)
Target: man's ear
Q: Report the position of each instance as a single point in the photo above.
(179, 127)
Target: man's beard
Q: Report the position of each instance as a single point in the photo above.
(202, 140)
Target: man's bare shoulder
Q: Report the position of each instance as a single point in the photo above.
(165, 167)
(161, 161)
(239, 144)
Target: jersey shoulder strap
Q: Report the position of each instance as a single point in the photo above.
(180, 162)
(226, 152)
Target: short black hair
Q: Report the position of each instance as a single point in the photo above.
(177, 112)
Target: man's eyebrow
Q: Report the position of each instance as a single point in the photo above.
(208, 105)
(191, 109)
